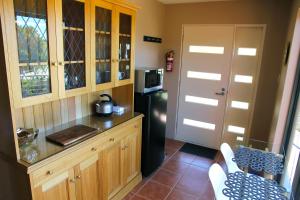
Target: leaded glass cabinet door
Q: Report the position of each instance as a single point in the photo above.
(73, 29)
(32, 48)
(102, 37)
(125, 38)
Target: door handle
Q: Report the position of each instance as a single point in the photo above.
(220, 93)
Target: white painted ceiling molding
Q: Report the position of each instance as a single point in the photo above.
(187, 1)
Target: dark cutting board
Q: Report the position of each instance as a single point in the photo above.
(71, 135)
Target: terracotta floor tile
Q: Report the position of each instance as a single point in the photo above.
(208, 193)
(128, 196)
(175, 166)
(140, 185)
(193, 181)
(197, 172)
(184, 157)
(180, 195)
(188, 174)
(202, 162)
(170, 152)
(154, 191)
(174, 144)
(166, 177)
(135, 197)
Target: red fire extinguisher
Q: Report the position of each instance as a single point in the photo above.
(170, 61)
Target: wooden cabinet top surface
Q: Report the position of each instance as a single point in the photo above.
(41, 150)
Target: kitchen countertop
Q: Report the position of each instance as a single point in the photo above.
(41, 149)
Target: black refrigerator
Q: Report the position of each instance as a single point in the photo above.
(154, 107)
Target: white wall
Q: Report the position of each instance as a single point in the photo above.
(150, 21)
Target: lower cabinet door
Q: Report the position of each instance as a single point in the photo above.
(111, 170)
(60, 187)
(87, 176)
(131, 157)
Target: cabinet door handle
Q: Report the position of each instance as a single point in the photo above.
(135, 126)
(94, 149)
(72, 180)
(60, 63)
(49, 172)
(54, 64)
(78, 177)
(112, 139)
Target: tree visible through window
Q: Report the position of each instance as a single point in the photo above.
(32, 37)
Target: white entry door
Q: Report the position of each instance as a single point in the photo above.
(206, 60)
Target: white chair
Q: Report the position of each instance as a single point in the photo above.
(217, 178)
(228, 156)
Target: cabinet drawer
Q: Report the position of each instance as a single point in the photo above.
(118, 134)
(58, 166)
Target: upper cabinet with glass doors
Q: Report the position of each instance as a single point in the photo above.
(30, 28)
(125, 41)
(73, 29)
(102, 29)
(112, 45)
(63, 48)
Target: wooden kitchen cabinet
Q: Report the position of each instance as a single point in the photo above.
(113, 36)
(81, 183)
(65, 48)
(49, 49)
(125, 43)
(131, 156)
(73, 46)
(88, 180)
(103, 45)
(111, 170)
(32, 50)
(121, 163)
(60, 187)
(108, 168)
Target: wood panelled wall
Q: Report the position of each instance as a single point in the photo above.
(48, 115)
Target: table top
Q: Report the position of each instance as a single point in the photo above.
(239, 186)
(259, 160)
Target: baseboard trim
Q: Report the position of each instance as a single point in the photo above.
(129, 187)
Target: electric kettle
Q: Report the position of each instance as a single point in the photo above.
(104, 107)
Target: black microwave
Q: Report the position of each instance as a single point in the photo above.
(148, 80)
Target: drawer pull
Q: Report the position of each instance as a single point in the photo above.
(72, 180)
(112, 139)
(49, 172)
(135, 126)
(78, 177)
(123, 148)
(94, 149)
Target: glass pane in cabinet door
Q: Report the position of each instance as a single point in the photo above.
(103, 45)
(74, 44)
(124, 47)
(32, 39)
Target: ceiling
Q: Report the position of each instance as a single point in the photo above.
(186, 1)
